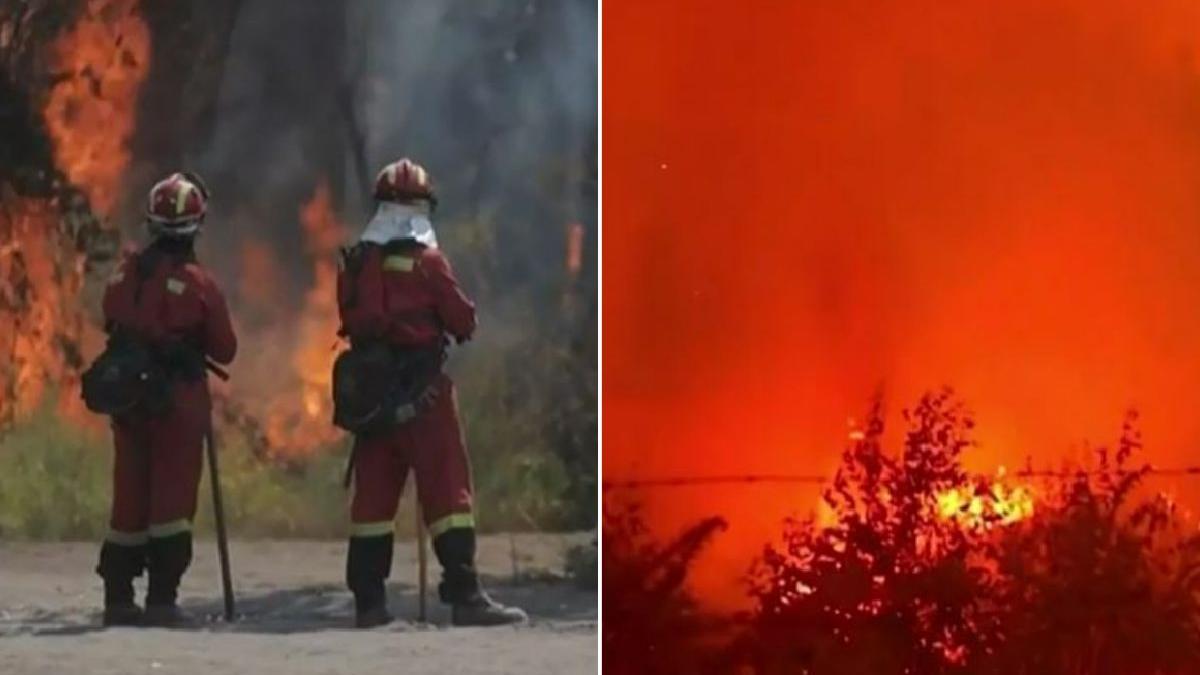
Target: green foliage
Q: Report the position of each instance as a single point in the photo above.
(511, 411)
(55, 483)
(275, 500)
(510, 460)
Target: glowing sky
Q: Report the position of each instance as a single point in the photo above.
(807, 201)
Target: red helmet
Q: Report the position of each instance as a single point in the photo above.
(403, 181)
(178, 203)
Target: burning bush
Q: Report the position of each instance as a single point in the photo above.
(892, 584)
(927, 569)
(922, 567)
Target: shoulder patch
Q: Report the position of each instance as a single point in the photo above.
(399, 263)
(116, 278)
(176, 286)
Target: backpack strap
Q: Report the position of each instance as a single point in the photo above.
(353, 259)
(144, 264)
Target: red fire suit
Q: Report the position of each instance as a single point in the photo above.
(410, 299)
(159, 459)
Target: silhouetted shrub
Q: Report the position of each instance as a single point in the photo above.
(891, 585)
(1103, 580)
(920, 567)
(650, 621)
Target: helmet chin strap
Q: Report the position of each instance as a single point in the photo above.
(161, 231)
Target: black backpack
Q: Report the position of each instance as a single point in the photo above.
(376, 387)
(126, 378)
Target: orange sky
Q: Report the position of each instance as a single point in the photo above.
(806, 201)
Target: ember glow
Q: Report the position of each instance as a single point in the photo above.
(821, 200)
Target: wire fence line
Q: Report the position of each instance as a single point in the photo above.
(818, 479)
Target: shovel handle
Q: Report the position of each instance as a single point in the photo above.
(219, 517)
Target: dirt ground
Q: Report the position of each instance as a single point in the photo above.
(294, 615)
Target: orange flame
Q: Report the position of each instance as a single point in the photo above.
(100, 63)
(574, 248)
(1022, 229)
(260, 278)
(988, 506)
(91, 111)
(39, 288)
(298, 422)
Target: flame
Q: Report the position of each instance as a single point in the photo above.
(574, 248)
(986, 506)
(37, 286)
(261, 284)
(999, 197)
(100, 63)
(90, 114)
(298, 421)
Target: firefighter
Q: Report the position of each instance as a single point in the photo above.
(161, 303)
(396, 288)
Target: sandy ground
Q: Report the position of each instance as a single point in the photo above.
(294, 616)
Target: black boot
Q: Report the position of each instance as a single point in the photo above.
(368, 564)
(167, 559)
(119, 566)
(469, 604)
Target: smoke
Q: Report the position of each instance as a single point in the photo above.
(497, 99)
(277, 132)
(833, 198)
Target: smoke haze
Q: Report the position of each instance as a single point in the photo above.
(816, 201)
(498, 101)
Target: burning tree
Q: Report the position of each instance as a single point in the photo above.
(70, 109)
(892, 584)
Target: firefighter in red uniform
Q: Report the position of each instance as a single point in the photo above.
(397, 288)
(163, 300)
